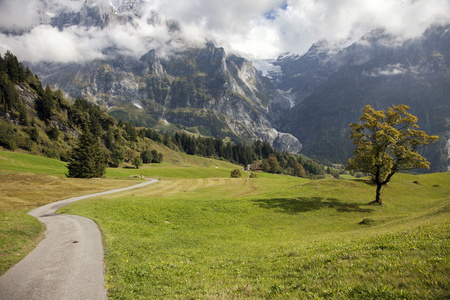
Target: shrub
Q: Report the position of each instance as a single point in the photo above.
(253, 175)
(236, 173)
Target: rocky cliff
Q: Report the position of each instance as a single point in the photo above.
(216, 93)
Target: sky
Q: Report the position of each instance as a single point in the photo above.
(258, 29)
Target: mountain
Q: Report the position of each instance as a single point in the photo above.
(201, 89)
(43, 122)
(330, 86)
(298, 102)
(204, 90)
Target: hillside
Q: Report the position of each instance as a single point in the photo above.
(276, 237)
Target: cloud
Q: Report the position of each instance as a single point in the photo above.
(45, 43)
(389, 70)
(257, 28)
(19, 14)
(267, 28)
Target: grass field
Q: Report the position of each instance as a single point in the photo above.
(29, 181)
(276, 237)
(197, 234)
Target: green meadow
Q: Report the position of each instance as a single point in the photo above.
(276, 238)
(28, 181)
(198, 234)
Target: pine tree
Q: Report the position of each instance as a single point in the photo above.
(131, 132)
(12, 67)
(87, 159)
(46, 105)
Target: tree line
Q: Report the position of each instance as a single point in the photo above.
(262, 152)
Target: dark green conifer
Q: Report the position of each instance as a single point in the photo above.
(87, 160)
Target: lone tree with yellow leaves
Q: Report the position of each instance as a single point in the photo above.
(387, 142)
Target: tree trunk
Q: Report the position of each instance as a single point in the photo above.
(378, 199)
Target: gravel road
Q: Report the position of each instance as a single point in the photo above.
(67, 264)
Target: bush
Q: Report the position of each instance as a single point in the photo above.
(253, 175)
(236, 173)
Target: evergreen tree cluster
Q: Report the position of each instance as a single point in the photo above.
(43, 122)
(12, 72)
(239, 153)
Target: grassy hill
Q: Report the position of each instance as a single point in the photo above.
(198, 234)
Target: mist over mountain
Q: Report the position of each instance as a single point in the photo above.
(80, 30)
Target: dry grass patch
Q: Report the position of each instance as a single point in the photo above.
(25, 191)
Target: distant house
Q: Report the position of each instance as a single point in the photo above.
(254, 168)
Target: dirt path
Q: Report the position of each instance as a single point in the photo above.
(67, 264)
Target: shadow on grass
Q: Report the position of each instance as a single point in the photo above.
(304, 204)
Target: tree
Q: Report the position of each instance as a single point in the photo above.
(87, 159)
(157, 157)
(253, 175)
(147, 157)
(117, 156)
(53, 132)
(46, 105)
(299, 170)
(386, 143)
(265, 166)
(131, 132)
(137, 162)
(273, 164)
(236, 173)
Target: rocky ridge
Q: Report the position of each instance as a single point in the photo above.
(183, 89)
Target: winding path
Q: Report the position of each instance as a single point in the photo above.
(67, 264)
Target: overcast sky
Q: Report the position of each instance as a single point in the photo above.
(254, 28)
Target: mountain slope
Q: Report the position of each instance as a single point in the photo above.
(205, 89)
(331, 88)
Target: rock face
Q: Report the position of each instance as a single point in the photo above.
(219, 94)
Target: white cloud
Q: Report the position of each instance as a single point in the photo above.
(389, 70)
(19, 14)
(242, 25)
(47, 43)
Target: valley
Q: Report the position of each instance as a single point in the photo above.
(267, 126)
